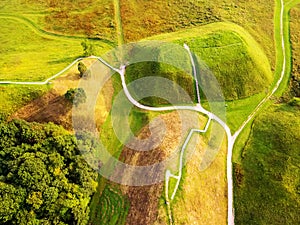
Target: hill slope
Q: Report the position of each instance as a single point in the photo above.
(268, 185)
(234, 57)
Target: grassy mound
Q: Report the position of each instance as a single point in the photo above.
(268, 185)
(295, 35)
(236, 60)
(141, 19)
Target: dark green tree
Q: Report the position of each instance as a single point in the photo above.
(76, 96)
(88, 48)
(82, 69)
(10, 201)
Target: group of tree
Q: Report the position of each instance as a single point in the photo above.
(44, 178)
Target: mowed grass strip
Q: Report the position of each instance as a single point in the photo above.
(27, 55)
(111, 208)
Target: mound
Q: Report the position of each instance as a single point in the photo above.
(141, 19)
(235, 58)
(267, 180)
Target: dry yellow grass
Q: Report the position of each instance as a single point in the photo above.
(202, 198)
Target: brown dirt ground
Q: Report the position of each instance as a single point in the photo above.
(144, 200)
(51, 107)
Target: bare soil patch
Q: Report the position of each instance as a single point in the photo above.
(144, 200)
(51, 107)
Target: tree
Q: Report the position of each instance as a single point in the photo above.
(82, 69)
(88, 48)
(76, 96)
(10, 201)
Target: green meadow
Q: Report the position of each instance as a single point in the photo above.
(29, 55)
(267, 180)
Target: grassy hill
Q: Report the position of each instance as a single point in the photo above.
(267, 181)
(295, 36)
(141, 19)
(234, 57)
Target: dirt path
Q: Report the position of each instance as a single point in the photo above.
(118, 20)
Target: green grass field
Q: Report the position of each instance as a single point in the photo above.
(27, 54)
(267, 181)
(283, 88)
(266, 178)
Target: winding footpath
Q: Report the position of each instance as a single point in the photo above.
(50, 78)
(197, 108)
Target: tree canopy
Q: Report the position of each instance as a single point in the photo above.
(82, 69)
(76, 96)
(43, 177)
(88, 48)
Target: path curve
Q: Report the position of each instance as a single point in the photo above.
(258, 107)
(50, 78)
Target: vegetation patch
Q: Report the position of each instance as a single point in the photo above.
(295, 36)
(111, 208)
(235, 59)
(80, 17)
(43, 177)
(27, 54)
(267, 180)
(13, 97)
